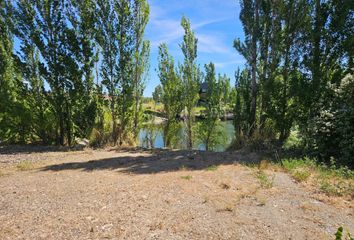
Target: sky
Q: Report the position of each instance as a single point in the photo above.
(216, 24)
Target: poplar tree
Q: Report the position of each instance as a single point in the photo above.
(125, 35)
(8, 88)
(249, 49)
(191, 76)
(141, 11)
(107, 38)
(213, 107)
(171, 94)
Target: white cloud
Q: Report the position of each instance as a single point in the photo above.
(167, 30)
(212, 44)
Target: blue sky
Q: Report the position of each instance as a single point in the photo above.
(216, 24)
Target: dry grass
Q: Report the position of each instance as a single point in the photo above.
(212, 168)
(331, 180)
(227, 208)
(264, 180)
(155, 199)
(188, 177)
(25, 166)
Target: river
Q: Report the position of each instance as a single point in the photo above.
(152, 137)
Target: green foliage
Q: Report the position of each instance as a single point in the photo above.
(297, 74)
(293, 164)
(340, 234)
(191, 76)
(157, 94)
(215, 94)
(331, 131)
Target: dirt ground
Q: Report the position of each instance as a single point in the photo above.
(136, 194)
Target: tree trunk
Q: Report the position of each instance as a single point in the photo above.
(189, 129)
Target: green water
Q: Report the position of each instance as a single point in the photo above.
(152, 137)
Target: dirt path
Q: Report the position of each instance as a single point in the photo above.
(160, 195)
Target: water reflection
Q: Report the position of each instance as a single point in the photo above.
(152, 137)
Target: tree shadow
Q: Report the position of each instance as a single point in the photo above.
(27, 149)
(159, 161)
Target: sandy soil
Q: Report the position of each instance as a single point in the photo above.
(135, 194)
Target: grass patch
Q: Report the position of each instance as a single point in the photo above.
(2, 174)
(301, 175)
(25, 166)
(331, 180)
(212, 168)
(189, 177)
(339, 189)
(264, 180)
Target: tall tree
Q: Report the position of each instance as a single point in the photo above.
(213, 107)
(141, 11)
(171, 94)
(107, 39)
(157, 94)
(250, 18)
(82, 16)
(125, 67)
(8, 86)
(191, 76)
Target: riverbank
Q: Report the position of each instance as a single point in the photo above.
(50, 193)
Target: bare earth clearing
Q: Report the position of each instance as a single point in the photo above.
(109, 194)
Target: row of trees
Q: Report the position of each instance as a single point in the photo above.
(299, 70)
(180, 88)
(67, 52)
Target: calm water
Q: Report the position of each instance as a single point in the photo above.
(152, 137)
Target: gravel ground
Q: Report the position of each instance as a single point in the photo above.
(136, 194)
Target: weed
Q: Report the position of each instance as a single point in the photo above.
(25, 166)
(340, 188)
(264, 180)
(212, 168)
(188, 177)
(339, 235)
(2, 174)
(292, 164)
(301, 175)
(332, 180)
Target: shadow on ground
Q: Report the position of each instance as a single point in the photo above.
(157, 161)
(27, 149)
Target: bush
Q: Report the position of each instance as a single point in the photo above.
(331, 131)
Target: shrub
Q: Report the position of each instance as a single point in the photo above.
(264, 180)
